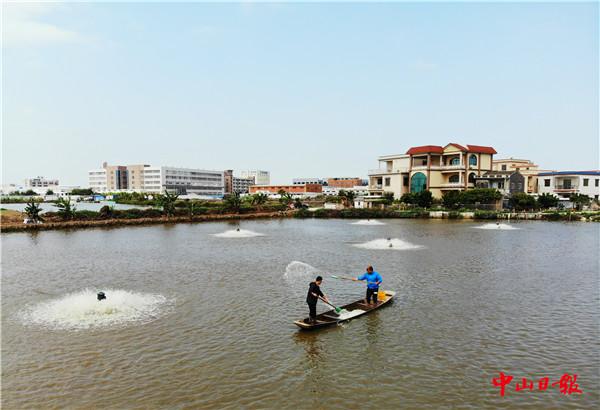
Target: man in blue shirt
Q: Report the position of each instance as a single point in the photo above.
(373, 279)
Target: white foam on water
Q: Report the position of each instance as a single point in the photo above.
(393, 244)
(345, 314)
(371, 222)
(82, 310)
(242, 233)
(504, 227)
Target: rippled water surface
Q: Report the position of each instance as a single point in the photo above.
(218, 331)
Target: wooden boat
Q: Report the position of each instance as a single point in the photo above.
(352, 310)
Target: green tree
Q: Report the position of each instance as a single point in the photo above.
(167, 202)
(259, 199)
(451, 199)
(388, 198)
(424, 199)
(33, 211)
(49, 192)
(66, 210)
(522, 201)
(106, 212)
(408, 198)
(347, 197)
(82, 191)
(579, 200)
(480, 196)
(233, 202)
(547, 200)
(285, 198)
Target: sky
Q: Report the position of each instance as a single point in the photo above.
(301, 90)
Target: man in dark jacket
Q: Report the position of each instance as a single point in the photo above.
(314, 291)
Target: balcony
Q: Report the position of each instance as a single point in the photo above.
(452, 185)
(388, 171)
(376, 186)
(450, 168)
(566, 188)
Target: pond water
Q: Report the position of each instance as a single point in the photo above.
(197, 320)
(81, 206)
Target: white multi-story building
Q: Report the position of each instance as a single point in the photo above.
(260, 177)
(97, 180)
(565, 183)
(41, 183)
(304, 181)
(184, 181)
(359, 190)
(157, 179)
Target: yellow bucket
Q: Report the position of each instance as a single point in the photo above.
(381, 295)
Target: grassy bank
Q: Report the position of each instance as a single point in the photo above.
(593, 216)
(19, 226)
(12, 221)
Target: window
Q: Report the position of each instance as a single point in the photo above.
(472, 178)
(405, 181)
(387, 181)
(586, 181)
(503, 167)
(473, 159)
(454, 179)
(596, 182)
(500, 184)
(455, 161)
(546, 182)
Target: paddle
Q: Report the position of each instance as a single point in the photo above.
(337, 309)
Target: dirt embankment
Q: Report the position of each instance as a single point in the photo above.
(13, 223)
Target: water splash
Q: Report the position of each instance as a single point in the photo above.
(234, 233)
(82, 310)
(498, 226)
(297, 269)
(371, 222)
(389, 244)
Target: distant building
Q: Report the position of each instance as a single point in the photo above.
(291, 189)
(344, 182)
(527, 168)
(157, 179)
(507, 182)
(359, 190)
(303, 181)
(40, 184)
(108, 178)
(236, 184)
(565, 183)
(431, 167)
(260, 177)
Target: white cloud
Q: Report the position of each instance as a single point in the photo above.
(21, 26)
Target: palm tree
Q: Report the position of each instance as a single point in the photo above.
(33, 211)
(66, 210)
(259, 199)
(233, 202)
(167, 202)
(347, 197)
(285, 197)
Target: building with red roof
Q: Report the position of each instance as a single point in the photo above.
(431, 167)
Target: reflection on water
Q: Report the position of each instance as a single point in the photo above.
(470, 303)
